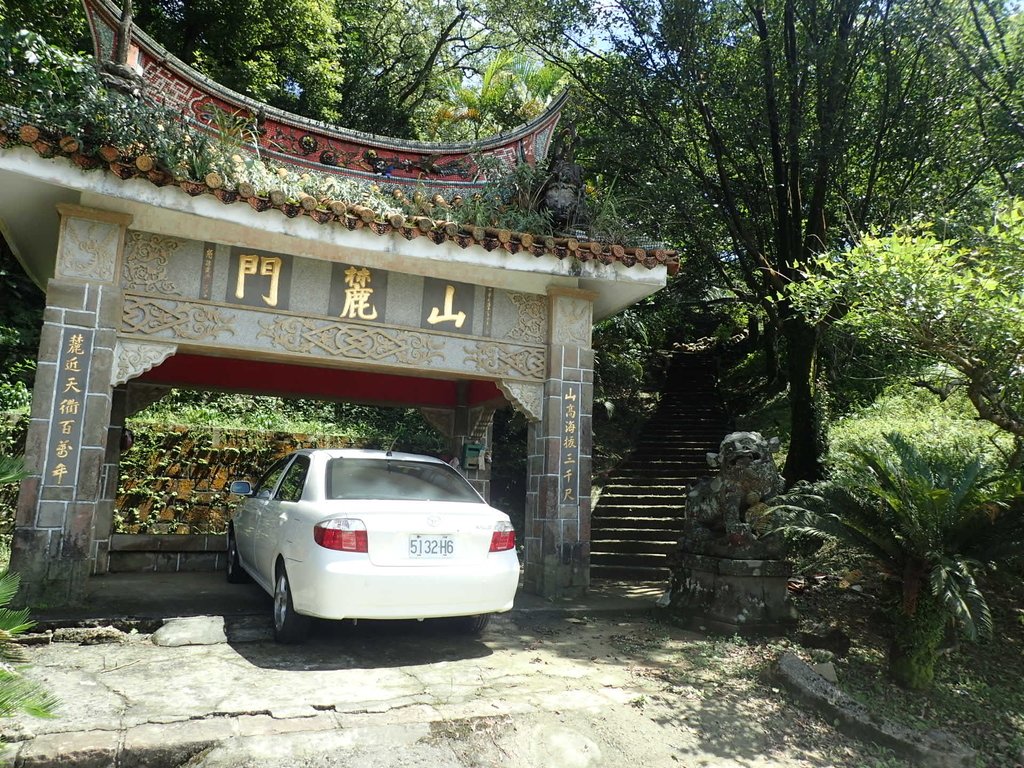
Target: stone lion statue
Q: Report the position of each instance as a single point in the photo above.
(727, 513)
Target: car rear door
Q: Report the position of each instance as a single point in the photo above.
(276, 512)
(248, 519)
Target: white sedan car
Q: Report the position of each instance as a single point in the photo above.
(357, 534)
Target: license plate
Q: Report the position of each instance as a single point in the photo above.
(431, 546)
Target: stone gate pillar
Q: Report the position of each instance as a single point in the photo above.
(66, 450)
(559, 460)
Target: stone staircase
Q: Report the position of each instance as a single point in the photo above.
(638, 517)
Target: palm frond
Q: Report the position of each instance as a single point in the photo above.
(953, 582)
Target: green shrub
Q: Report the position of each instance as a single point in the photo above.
(946, 430)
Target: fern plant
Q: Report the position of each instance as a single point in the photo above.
(931, 525)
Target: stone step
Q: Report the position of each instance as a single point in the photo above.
(654, 523)
(639, 516)
(626, 573)
(619, 491)
(643, 560)
(609, 537)
(646, 509)
(633, 545)
(641, 500)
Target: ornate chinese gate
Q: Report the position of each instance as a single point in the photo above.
(151, 285)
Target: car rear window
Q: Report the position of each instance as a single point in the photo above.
(396, 479)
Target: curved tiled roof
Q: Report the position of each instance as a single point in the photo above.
(447, 169)
(333, 212)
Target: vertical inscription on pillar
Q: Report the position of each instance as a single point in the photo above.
(65, 444)
(206, 279)
(569, 475)
(259, 279)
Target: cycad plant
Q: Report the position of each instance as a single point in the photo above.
(16, 693)
(931, 524)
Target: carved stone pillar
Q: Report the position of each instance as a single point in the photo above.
(559, 447)
(66, 450)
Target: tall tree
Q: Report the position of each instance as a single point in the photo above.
(62, 23)
(284, 53)
(987, 38)
(770, 131)
(373, 66)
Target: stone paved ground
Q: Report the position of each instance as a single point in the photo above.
(536, 690)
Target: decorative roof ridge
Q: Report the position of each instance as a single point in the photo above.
(350, 215)
(170, 78)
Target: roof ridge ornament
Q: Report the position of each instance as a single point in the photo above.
(115, 72)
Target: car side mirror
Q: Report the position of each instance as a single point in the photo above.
(240, 487)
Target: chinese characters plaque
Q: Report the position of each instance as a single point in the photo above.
(569, 476)
(68, 407)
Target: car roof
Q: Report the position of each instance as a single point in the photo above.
(367, 453)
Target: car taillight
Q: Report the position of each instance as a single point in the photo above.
(503, 538)
(342, 534)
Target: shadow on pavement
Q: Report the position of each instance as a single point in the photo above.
(366, 645)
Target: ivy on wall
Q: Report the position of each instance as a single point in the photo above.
(174, 479)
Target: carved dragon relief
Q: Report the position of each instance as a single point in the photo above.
(526, 397)
(134, 358)
(145, 263)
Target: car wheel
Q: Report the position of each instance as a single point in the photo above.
(232, 566)
(471, 625)
(289, 626)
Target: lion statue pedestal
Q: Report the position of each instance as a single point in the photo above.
(728, 572)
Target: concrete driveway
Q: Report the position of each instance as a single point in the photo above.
(551, 686)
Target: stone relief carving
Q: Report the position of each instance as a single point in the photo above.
(573, 320)
(145, 263)
(133, 358)
(531, 316)
(89, 250)
(350, 341)
(185, 320)
(526, 397)
(143, 395)
(441, 419)
(498, 360)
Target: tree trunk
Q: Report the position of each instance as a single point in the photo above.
(807, 444)
(915, 646)
(772, 367)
